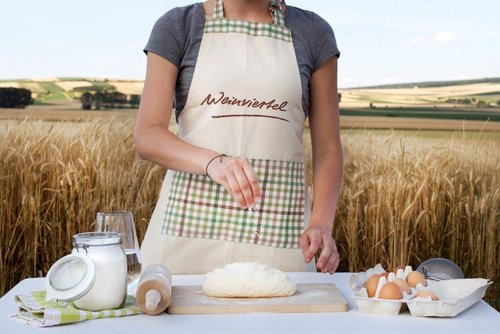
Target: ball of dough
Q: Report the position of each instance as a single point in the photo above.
(248, 279)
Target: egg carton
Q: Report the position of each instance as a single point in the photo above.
(455, 296)
(375, 304)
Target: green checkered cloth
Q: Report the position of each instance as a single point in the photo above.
(277, 30)
(34, 310)
(201, 208)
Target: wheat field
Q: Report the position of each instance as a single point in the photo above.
(404, 199)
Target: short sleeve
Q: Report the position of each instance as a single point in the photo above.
(167, 36)
(325, 44)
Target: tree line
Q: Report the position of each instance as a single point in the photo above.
(11, 97)
(104, 100)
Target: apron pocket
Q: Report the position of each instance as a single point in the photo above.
(197, 207)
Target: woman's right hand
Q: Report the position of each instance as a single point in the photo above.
(238, 177)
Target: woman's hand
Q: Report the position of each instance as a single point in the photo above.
(314, 238)
(238, 177)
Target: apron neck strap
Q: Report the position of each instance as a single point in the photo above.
(276, 12)
(274, 8)
(218, 12)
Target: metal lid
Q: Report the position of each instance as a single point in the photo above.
(70, 278)
(97, 239)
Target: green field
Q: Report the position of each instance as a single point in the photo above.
(53, 91)
(424, 112)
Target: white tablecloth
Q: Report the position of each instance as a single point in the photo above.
(479, 319)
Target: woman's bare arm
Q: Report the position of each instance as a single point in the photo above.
(156, 143)
(327, 166)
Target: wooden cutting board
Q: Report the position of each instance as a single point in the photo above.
(313, 297)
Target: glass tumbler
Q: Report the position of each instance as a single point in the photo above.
(123, 222)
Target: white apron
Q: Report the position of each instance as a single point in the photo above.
(245, 100)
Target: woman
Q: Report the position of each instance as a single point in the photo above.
(246, 74)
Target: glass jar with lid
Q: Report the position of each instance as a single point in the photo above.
(94, 275)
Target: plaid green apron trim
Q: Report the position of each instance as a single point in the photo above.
(276, 13)
(200, 208)
(277, 30)
(274, 8)
(218, 9)
(250, 28)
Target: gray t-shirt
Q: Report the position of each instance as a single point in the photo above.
(176, 36)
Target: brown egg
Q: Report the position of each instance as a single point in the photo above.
(414, 278)
(427, 293)
(403, 286)
(371, 284)
(390, 291)
(385, 275)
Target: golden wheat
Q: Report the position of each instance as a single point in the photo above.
(54, 179)
(403, 199)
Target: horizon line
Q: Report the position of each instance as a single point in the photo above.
(384, 85)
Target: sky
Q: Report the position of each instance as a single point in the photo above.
(381, 42)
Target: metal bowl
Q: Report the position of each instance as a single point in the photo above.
(440, 269)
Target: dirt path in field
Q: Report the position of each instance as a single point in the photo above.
(65, 111)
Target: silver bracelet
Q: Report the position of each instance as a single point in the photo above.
(211, 160)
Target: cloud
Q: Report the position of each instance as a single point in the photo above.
(388, 80)
(430, 5)
(445, 37)
(132, 45)
(460, 77)
(418, 40)
(349, 82)
(350, 79)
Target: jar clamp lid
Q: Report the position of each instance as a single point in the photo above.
(72, 276)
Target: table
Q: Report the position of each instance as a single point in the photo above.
(480, 318)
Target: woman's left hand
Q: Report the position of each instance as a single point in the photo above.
(315, 238)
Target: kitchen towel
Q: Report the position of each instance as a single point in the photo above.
(34, 310)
